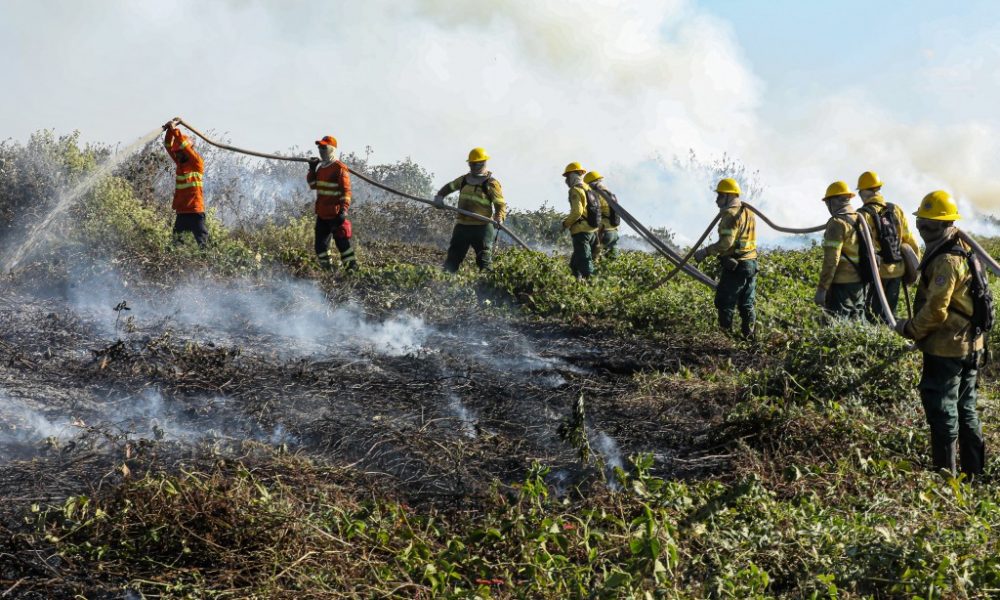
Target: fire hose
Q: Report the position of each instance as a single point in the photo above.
(360, 176)
(659, 245)
(679, 262)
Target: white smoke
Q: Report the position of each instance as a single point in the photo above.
(20, 422)
(295, 311)
(623, 87)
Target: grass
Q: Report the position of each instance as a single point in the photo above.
(826, 492)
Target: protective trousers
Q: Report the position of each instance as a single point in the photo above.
(948, 392)
(479, 237)
(873, 306)
(846, 300)
(737, 291)
(339, 230)
(581, 264)
(194, 223)
(609, 244)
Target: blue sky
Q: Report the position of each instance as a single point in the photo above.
(809, 48)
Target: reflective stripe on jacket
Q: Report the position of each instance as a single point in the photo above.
(188, 196)
(737, 234)
(333, 189)
(943, 308)
(482, 195)
(840, 242)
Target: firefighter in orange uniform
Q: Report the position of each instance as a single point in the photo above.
(189, 203)
(332, 181)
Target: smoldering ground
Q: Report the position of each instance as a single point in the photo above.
(439, 407)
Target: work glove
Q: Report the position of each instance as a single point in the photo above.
(438, 201)
(700, 254)
(313, 164)
(340, 218)
(901, 327)
(820, 297)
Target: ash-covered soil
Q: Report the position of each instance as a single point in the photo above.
(431, 408)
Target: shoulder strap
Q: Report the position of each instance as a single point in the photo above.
(945, 248)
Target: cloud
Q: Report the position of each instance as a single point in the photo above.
(622, 87)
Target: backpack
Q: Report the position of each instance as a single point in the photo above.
(887, 227)
(487, 189)
(982, 317)
(862, 267)
(593, 208)
(613, 217)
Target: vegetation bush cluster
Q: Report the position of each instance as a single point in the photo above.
(827, 496)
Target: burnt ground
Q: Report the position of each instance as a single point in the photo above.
(429, 411)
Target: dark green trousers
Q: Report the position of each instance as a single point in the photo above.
(948, 392)
(846, 300)
(479, 238)
(873, 306)
(737, 291)
(609, 244)
(581, 264)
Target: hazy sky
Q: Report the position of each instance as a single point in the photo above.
(806, 92)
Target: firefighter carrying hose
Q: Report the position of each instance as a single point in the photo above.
(189, 202)
(842, 289)
(954, 311)
(737, 252)
(890, 231)
(583, 221)
(608, 233)
(332, 181)
(478, 192)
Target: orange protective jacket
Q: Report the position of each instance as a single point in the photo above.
(333, 189)
(188, 196)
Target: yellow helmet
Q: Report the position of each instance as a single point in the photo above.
(938, 206)
(838, 188)
(574, 167)
(728, 186)
(592, 177)
(869, 180)
(478, 155)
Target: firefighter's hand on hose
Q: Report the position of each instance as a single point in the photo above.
(168, 125)
(820, 297)
(313, 163)
(438, 201)
(340, 218)
(901, 327)
(700, 254)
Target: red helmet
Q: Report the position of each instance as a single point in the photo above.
(328, 140)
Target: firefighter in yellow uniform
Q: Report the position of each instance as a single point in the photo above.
(478, 192)
(890, 231)
(584, 234)
(841, 290)
(949, 332)
(737, 252)
(608, 234)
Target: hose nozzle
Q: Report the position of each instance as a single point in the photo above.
(172, 123)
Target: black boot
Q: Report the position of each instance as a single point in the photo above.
(972, 452)
(943, 454)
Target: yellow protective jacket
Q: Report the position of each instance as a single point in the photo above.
(905, 237)
(576, 221)
(941, 324)
(480, 194)
(737, 234)
(841, 251)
